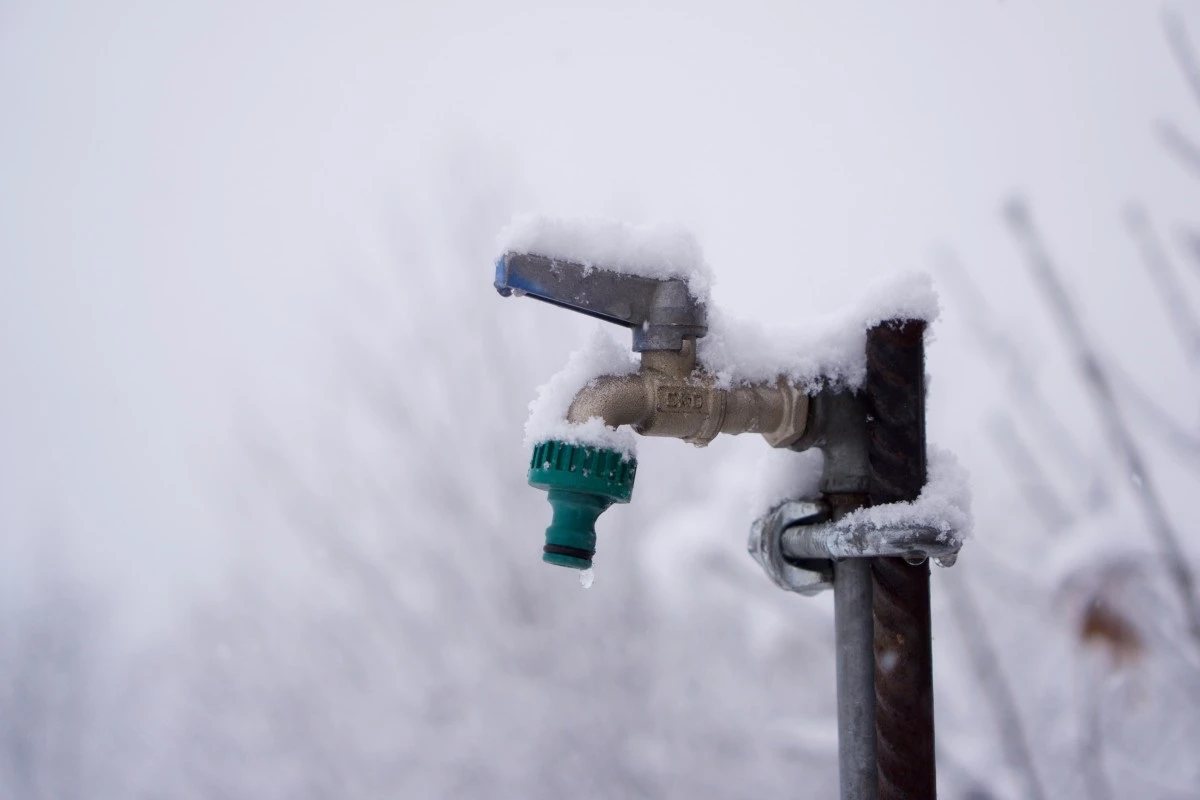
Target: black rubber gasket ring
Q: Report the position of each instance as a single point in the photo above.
(573, 552)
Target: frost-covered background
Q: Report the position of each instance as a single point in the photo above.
(264, 531)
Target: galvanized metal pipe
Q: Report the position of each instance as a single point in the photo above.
(855, 636)
(837, 428)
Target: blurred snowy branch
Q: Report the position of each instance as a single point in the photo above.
(1162, 276)
(997, 691)
(1181, 146)
(1185, 149)
(996, 343)
(1182, 50)
(1121, 438)
(1171, 432)
(65, 712)
(1191, 241)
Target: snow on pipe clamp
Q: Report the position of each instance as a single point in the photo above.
(795, 544)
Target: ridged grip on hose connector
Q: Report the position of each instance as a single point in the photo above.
(581, 481)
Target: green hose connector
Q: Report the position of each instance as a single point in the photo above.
(582, 482)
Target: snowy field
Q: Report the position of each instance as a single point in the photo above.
(264, 527)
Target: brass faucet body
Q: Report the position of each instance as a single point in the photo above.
(670, 396)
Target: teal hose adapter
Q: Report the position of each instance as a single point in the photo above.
(581, 481)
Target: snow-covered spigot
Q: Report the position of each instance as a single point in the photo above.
(866, 415)
(668, 396)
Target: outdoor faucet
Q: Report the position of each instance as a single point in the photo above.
(669, 395)
(871, 433)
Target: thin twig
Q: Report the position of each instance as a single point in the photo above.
(1099, 387)
(1191, 244)
(1154, 257)
(985, 663)
(1181, 49)
(1177, 143)
(1186, 152)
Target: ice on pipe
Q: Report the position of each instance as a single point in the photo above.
(944, 503)
(652, 251)
(603, 355)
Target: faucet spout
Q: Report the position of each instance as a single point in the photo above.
(616, 400)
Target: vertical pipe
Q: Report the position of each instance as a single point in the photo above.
(857, 772)
(895, 399)
(836, 422)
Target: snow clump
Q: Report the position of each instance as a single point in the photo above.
(651, 251)
(824, 350)
(944, 503)
(602, 356)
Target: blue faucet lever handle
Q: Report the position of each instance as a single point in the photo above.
(660, 312)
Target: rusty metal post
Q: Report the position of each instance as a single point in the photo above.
(895, 398)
